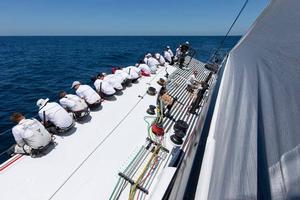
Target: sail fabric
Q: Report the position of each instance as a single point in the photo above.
(253, 147)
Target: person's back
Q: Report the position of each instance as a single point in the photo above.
(132, 72)
(134, 68)
(29, 134)
(168, 56)
(88, 94)
(170, 52)
(56, 114)
(115, 81)
(160, 59)
(184, 48)
(145, 59)
(73, 103)
(123, 74)
(145, 68)
(104, 86)
(191, 80)
(152, 63)
(178, 52)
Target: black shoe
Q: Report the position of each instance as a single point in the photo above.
(11, 151)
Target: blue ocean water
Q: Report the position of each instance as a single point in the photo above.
(39, 67)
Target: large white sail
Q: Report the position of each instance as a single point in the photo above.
(253, 148)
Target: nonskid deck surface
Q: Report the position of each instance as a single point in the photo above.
(140, 157)
(85, 164)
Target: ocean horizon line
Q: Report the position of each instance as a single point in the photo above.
(118, 35)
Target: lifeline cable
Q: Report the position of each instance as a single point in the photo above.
(225, 37)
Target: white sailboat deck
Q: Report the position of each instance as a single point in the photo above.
(85, 163)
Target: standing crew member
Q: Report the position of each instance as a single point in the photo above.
(184, 52)
(169, 56)
(30, 135)
(87, 93)
(55, 118)
(170, 51)
(178, 54)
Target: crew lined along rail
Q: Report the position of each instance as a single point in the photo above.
(32, 137)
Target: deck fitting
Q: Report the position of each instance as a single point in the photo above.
(132, 183)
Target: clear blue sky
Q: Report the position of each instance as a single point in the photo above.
(125, 17)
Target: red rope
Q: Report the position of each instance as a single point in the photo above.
(153, 164)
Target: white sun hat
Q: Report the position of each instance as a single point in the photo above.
(41, 102)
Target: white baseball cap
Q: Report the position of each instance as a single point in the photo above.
(75, 83)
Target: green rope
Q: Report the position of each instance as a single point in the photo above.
(149, 126)
(129, 165)
(112, 194)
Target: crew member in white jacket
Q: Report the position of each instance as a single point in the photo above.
(169, 55)
(133, 72)
(160, 59)
(74, 104)
(87, 93)
(153, 64)
(125, 76)
(29, 134)
(114, 80)
(103, 87)
(145, 69)
(147, 56)
(55, 118)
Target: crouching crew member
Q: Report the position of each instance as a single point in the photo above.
(103, 87)
(153, 64)
(55, 118)
(87, 93)
(145, 69)
(160, 59)
(169, 56)
(30, 135)
(192, 82)
(125, 76)
(133, 72)
(74, 104)
(115, 81)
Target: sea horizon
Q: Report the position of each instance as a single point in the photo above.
(119, 35)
